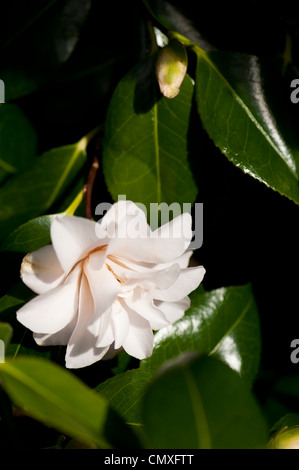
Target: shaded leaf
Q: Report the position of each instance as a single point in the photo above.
(173, 19)
(50, 32)
(200, 403)
(18, 141)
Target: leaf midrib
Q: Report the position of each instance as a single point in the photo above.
(233, 327)
(201, 422)
(157, 152)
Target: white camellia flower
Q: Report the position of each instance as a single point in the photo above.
(101, 290)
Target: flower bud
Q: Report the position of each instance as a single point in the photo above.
(171, 68)
(286, 438)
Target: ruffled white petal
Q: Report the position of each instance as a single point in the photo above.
(73, 238)
(134, 240)
(125, 220)
(140, 339)
(141, 303)
(179, 228)
(120, 324)
(41, 271)
(149, 279)
(104, 287)
(53, 310)
(61, 338)
(104, 328)
(173, 311)
(188, 280)
(81, 350)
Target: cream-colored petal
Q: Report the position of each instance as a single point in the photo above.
(81, 350)
(73, 238)
(104, 327)
(60, 338)
(104, 287)
(141, 303)
(140, 339)
(120, 324)
(125, 220)
(41, 270)
(173, 311)
(149, 279)
(50, 312)
(179, 228)
(188, 280)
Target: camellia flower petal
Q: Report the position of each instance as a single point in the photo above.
(107, 285)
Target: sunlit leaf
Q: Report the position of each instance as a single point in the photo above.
(223, 323)
(57, 398)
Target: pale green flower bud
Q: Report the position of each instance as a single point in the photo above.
(286, 438)
(171, 68)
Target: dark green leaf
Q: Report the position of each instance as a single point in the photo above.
(223, 323)
(17, 141)
(50, 32)
(57, 398)
(236, 113)
(145, 149)
(34, 191)
(200, 403)
(174, 19)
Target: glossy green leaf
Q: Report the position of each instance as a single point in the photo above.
(223, 323)
(17, 140)
(54, 396)
(125, 392)
(145, 148)
(237, 114)
(36, 232)
(34, 191)
(200, 403)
